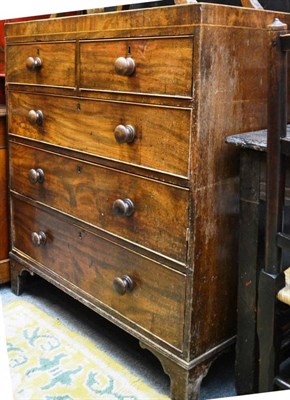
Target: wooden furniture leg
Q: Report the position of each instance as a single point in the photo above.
(18, 277)
(267, 328)
(184, 383)
(250, 238)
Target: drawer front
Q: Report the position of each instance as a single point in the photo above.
(161, 66)
(156, 301)
(161, 139)
(57, 64)
(157, 213)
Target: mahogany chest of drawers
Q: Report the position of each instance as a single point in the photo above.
(122, 190)
(4, 238)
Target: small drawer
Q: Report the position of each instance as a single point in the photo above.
(152, 137)
(51, 64)
(140, 210)
(144, 292)
(160, 66)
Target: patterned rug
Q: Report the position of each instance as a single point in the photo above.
(48, 361)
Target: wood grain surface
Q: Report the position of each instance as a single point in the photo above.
(88, 191)
(88, 126)
(163, 66)
(91, 263)
(58, 64)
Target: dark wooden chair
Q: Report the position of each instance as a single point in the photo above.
(273, 316)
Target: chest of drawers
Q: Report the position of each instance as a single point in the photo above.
(123, 193)
(4, 238)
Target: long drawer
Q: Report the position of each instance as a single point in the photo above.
(161, 66)
(55, 68)
(103, 128)
(144, 211)
(154, 299)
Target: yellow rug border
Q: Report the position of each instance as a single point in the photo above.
(133, 379)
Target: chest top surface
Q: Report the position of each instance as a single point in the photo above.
(163, 20)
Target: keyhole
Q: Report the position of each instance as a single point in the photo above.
(37, 52)
(129, 49)
(78, 107)
(79, 169)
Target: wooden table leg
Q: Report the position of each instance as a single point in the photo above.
(249, 256)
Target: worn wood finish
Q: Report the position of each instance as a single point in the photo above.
(259, 351)
(89, 191)
(3, 208)
(272, 277)
(57, 69)
(163, 66)
(4, 239)
(18, 277)
(184, 382)
(250, 264)
(91, 264)
(213, 256)
(192, 72)
(158, 130)
(252, 260)
(176, 20)
(277, 122)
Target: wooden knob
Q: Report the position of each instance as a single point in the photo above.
(123, 208)
(123, 285)
(33, 63)
(36, 175)
(39, 238)
(125, 66)
(35, 117)
(124, 133)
